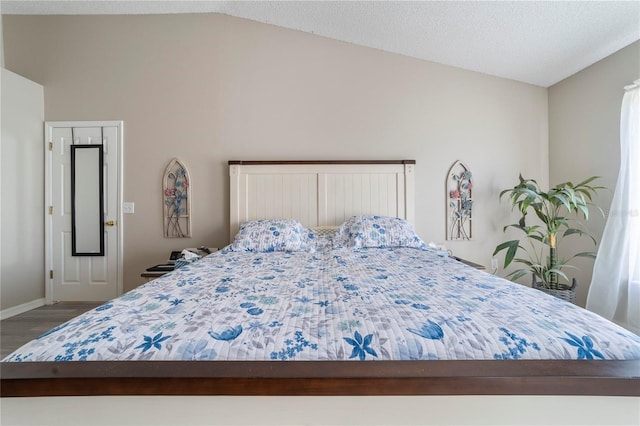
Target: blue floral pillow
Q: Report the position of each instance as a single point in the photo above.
(271, 235)
(377, 231)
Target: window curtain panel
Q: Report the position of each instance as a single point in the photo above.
(615, 286)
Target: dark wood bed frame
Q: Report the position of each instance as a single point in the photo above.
(520, 377)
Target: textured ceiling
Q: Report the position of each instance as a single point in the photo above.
(537, 42)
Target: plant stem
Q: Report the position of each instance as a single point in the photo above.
(553, 260)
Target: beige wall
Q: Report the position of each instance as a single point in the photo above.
(212, 88)
(584, 137)
(22, 220)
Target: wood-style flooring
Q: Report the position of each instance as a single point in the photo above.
(20, 329)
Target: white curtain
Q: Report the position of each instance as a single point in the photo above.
(615, 287)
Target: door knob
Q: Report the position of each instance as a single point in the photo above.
(110, 223)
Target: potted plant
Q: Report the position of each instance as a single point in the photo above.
(558, 211)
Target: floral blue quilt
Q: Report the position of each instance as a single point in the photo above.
(332, 304)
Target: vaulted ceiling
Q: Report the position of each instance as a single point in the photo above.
(536, 42)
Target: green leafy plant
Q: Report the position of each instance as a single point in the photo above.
(558, 211)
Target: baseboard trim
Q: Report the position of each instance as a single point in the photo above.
(20, 309)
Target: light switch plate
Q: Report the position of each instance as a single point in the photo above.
(128, 207)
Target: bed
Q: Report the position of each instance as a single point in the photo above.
(326, 289)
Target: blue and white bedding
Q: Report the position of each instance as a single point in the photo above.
(332, 300)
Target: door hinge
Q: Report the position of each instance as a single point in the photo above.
(50, 146)
(51, 210)
(51, 274)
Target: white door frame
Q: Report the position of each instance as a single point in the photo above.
(48, 199)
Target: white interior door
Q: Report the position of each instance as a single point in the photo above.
(82, 278)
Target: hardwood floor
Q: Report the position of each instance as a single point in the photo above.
(18, 330)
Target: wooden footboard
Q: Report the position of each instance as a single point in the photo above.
(598, 378)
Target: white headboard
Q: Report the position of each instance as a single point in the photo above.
(320, 193)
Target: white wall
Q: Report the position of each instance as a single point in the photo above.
(22, 221)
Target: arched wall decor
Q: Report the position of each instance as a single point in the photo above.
(459, 202)
(176, 196)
